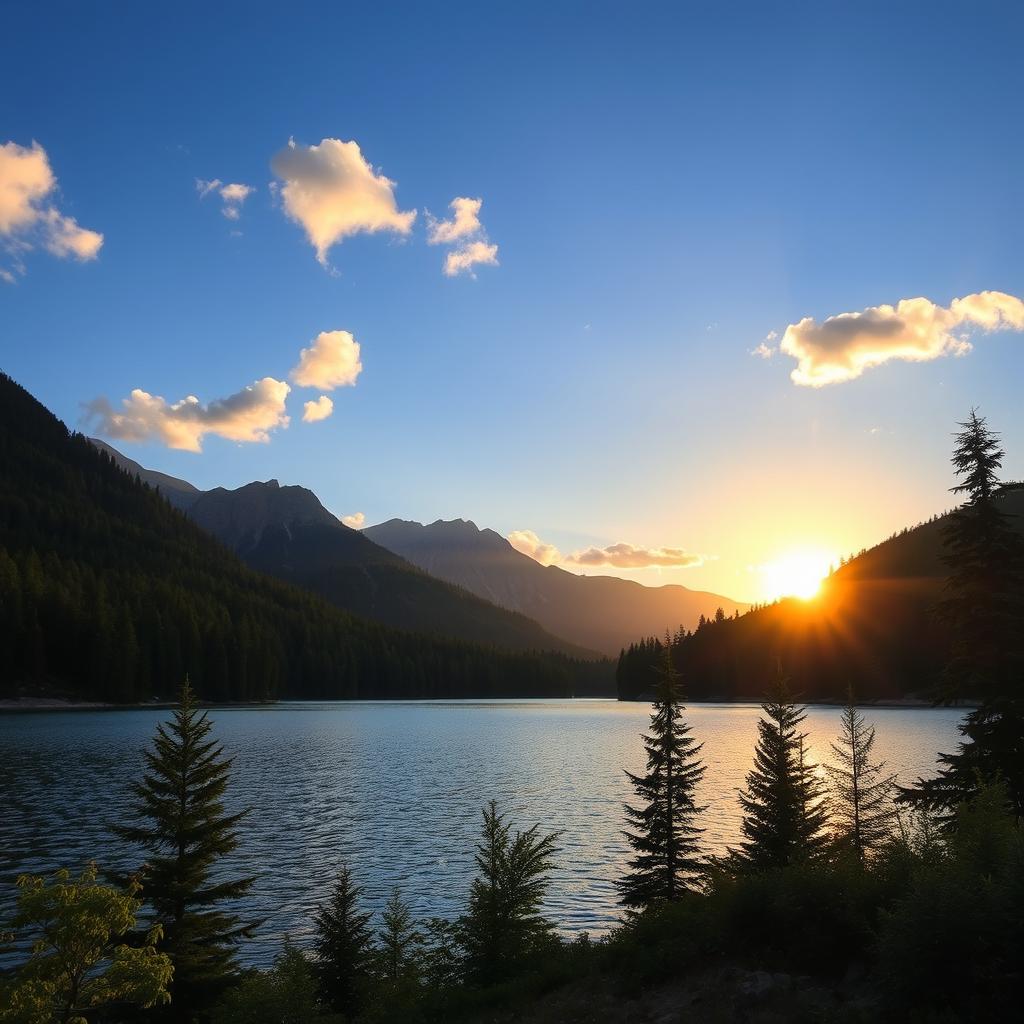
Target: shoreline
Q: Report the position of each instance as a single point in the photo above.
(32, 705)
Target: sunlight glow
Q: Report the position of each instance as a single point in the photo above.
(797, 573)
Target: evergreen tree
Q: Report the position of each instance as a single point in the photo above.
(182, 826)
(984, 613)
(861, 805)
(503, 924)
(783, 806)
(664, 834)
(344, 948)
(401, 942)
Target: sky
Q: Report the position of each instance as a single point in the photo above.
(566, 270)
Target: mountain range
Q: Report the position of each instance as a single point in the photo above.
(448, 577)
(108, 592)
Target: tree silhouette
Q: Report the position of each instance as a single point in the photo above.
(182, 826)
(861, 801)
(663, 831)
(984, 613)
(783, 806)
(344, 947)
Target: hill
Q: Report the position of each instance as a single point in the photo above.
(110, 593)
(603, 613)
(872, 627)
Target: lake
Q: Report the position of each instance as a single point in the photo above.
(395, 789)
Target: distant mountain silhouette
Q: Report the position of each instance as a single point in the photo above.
(872, 627)
(107, 592)
(603, 613)
(180, 493)
(287, 532)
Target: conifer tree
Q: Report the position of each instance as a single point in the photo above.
(182, 826)
(503, 924)
(861, 805)
(783, 806)
(663, 831)
(984, 613)
(401, 942)
(344, 947)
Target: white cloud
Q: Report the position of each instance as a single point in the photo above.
(465, 222)
(247, 415)
(332, 192)
(331, 361)
(28, 216)
(626, 556)
(232, 195)
(356, 521)
(461, 260)
(313, 412)
(467, 233)
(527, 542)
(916, 330)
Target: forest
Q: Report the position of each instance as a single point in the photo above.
(110, 594)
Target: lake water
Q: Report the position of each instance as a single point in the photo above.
(395, 789)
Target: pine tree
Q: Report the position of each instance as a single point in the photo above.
(663, 835)
(344, 947)
(984, 613)
(503, 924)
(182, 826)
(861, 805)
(783, 806)
(401, 942)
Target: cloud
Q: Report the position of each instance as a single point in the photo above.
(354, 521)
(626, 556)
(332, 361)
(916, 330)
(767, 347)
(232, 195)
(247, 415)
(527, 542)
(28, 216)
(461, 260)
(313, 412)
(466, 232)
(332, 192)
(465, 222)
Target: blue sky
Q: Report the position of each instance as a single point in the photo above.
(666, 184)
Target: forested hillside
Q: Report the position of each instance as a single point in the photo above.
(109, 593)
(872, 626)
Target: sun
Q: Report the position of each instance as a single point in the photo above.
(797, 573)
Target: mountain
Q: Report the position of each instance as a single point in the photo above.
(110, 593)
(180, 493)
(603, 613)
(872, 626)
(287, 532)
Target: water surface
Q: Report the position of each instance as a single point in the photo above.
(395, 789)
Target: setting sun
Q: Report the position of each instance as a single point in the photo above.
(797, 573)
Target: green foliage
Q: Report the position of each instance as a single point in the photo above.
(503, 925)
(664, 834)
(783, 806)
(111, 594)
(953, 945)
(861, 807)
(181, 824)
(79, 960)
(344, 947)
(286, 994)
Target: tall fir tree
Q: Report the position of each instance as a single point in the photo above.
(861, 802)
(181, 824)
(503, 924)
(984, 612)
(344, 948)
(401, 943)
(783, 805)
(663, 831)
